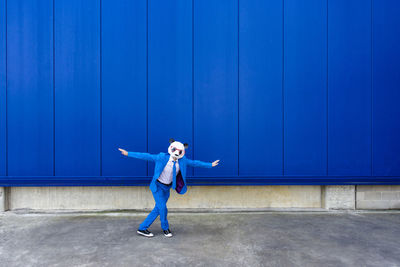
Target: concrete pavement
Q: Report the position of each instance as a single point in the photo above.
(202, 239)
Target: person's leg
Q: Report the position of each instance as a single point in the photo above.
(158, 198)
(149, 219)
(163, 209)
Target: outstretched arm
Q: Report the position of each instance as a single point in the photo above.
(138, 155)
(202, 164)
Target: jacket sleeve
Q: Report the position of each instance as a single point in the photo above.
(198, 163)
(144, 156)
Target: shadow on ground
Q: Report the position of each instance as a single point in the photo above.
(202, 239)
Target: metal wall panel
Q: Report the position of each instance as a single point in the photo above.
(30, 88)
(77, 87)
(349, 87)
(216, 85)
(305, 95)
(124, 85)
(260, 87)
(170, 75)
(386, 88)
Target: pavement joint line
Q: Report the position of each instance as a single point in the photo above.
(135, 213)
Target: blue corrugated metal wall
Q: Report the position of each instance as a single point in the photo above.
(282, 91)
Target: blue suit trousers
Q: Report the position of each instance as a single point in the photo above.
(161, 197)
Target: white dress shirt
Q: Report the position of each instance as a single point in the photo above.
(166, 175)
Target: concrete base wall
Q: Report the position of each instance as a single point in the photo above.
(202, 197)
(378, 197)
(205, 197)
(339, 197)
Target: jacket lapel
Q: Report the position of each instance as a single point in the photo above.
(164, 161)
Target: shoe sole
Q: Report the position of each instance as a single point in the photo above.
(169, 235)
(143, 234)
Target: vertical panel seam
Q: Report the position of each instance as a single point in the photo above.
(101, 93)
(372, 88)
(193, 83)
(238, 89)
(54, 92)
(6, 17)
(355, 196)
(327, 88)
(147, 83)
(283, 87)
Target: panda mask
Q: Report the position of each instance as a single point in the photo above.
(176, 149)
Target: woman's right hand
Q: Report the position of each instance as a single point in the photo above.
(123, 151)
(215, 163)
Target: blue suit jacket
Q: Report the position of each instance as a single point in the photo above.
(161, 160)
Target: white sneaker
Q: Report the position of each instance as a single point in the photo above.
(167, 233)
(145, 233)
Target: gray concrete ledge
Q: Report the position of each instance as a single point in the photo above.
(203, 198)
(133, 213)
(140, 197)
